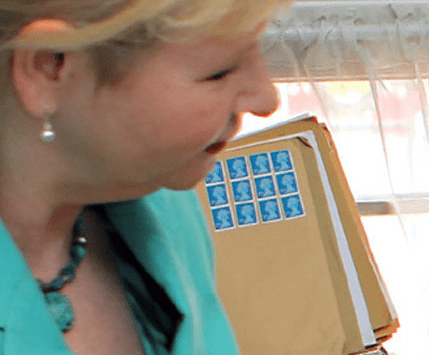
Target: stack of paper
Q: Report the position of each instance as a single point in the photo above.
(293, 264)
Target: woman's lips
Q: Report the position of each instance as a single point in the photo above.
(231, 129)
(215, 147)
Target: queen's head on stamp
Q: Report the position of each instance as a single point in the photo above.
(219, 195)
(266, 187)
(262, 164)
(224, 219)
(243, 190)
(271, 210)
(293, 206)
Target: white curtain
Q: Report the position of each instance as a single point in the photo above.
(322, 40)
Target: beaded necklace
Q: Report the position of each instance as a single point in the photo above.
(58, 304)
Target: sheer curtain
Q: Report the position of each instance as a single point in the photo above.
(362, 67)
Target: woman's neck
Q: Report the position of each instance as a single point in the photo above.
(41, 230)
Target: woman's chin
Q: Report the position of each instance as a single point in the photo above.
(185, 183)
(188, 176)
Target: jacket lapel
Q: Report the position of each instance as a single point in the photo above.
(26, 326)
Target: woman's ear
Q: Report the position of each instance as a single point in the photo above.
(37, 78)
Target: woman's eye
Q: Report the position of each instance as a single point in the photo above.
(219, 75)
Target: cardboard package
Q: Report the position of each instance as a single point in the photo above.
(293, 264)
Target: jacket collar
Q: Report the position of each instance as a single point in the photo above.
(24, 317)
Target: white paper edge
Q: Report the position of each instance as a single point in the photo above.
(300, 117)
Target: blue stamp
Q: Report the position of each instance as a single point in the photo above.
(237, 167)
(287, 183)
(260, 164)
(281, 160)
(246, 214)
(270, 210)
(222, 218)
(217, 195)
(242, 190)
(265, 186)
(216, 174)
(292, 206)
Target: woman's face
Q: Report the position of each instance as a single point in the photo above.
(162, 125)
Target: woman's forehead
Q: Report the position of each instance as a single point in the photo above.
(209, 49)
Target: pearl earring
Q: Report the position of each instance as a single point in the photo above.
(48, 134)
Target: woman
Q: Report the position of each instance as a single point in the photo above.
(104, 103)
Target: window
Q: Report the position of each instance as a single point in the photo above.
(362, 68)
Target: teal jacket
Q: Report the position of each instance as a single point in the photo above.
(166, 261)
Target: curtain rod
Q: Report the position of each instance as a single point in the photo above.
(349, 40)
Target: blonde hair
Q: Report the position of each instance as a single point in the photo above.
(105, 25)
(94, 21)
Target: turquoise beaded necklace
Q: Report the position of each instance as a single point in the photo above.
(58, 304)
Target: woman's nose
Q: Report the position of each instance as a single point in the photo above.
(259, 95)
